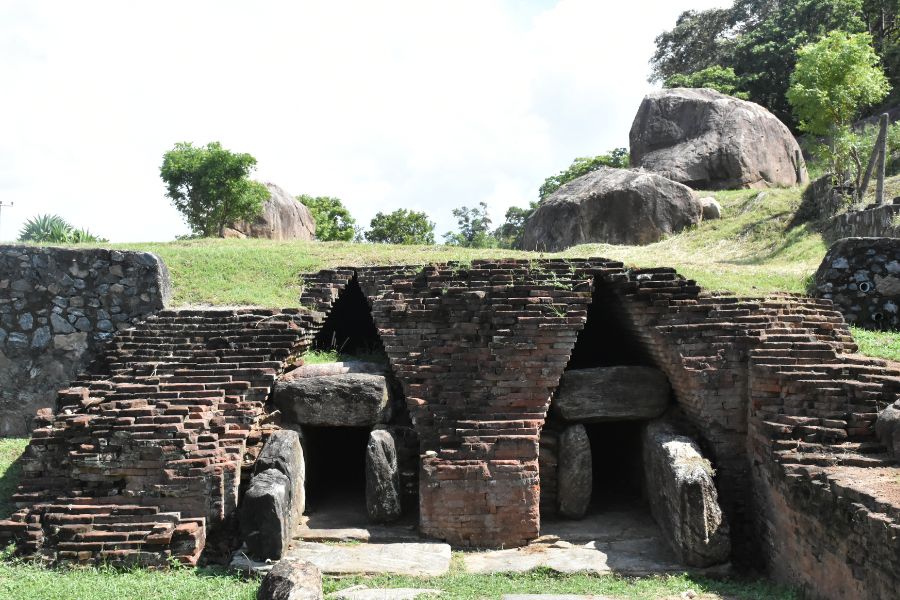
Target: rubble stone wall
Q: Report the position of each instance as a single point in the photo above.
(58, 307)
(874, 222)
(862, 277)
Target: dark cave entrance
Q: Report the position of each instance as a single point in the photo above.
(618, 470)
(335, 467)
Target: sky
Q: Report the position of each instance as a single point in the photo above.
(419, 104)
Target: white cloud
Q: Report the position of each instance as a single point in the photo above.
(418, 104)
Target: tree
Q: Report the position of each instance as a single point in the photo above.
(333, 220)
(617, 158)
(698, 41)
(721, 79)
(509, 235)
(401, 227)
(834, 79)
(53, 229)
(210, 186)
(474, 228)
(757, 39)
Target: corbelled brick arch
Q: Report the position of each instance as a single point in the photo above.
(479, 349)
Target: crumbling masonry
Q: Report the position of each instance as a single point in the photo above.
(143, 458)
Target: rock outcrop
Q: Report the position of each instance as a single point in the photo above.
(282, 218)
(619, 393)
(683, 497)
(708, 140)
(615, 206)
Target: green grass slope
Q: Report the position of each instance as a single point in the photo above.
(749, 251)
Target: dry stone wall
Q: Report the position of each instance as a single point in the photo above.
(874, 221)
(58, 307)
(862, 277)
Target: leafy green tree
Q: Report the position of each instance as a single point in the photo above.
(53, 229)
(834, 79)
(333, 220)
(509, 235)
(210, 186)
(617, 158)
(401, 227)
(764, 55)
(474, 228)
(721, 79)
(698, 41)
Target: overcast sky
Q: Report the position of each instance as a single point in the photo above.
(417, 104)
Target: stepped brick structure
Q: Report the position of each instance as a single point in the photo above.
(143, 457)
(144, 452)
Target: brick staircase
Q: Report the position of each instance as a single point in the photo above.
(144, 452)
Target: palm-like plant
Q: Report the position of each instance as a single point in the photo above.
(53, 229)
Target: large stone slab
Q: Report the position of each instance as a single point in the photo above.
(291, 580)
(633, 560)
(283, 452)
(574, 472)
(382, 477)
(265, 520)
(346, 400)
(683, 497)
(621, 393)
(417, 560)
(335, 368)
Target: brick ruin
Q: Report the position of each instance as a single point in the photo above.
(150, 453)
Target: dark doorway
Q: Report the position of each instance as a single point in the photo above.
(618, 470)
(335, 467)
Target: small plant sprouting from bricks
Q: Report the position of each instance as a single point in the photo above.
(557, 310)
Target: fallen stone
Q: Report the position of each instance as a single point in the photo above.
(282, 218)
(613, 206)
(265, 519)
(575, 472)
(683, 497)
(711, 208)
(417, 560)
(554, 597)
(887, 428)
(284, 453)
(382, 477)
(361, 592)
(619, 393)
(348, 400)
(291, 580)
(708, 140)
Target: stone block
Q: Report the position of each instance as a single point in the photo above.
(383, 502)
(887, 428)
(283, 452)
(683, 497)
(346, 400)
(574, 472)
(291, 580)
(618, 393)
(265, 515)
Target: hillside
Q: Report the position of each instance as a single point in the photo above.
(750, 251)
(747, 252)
